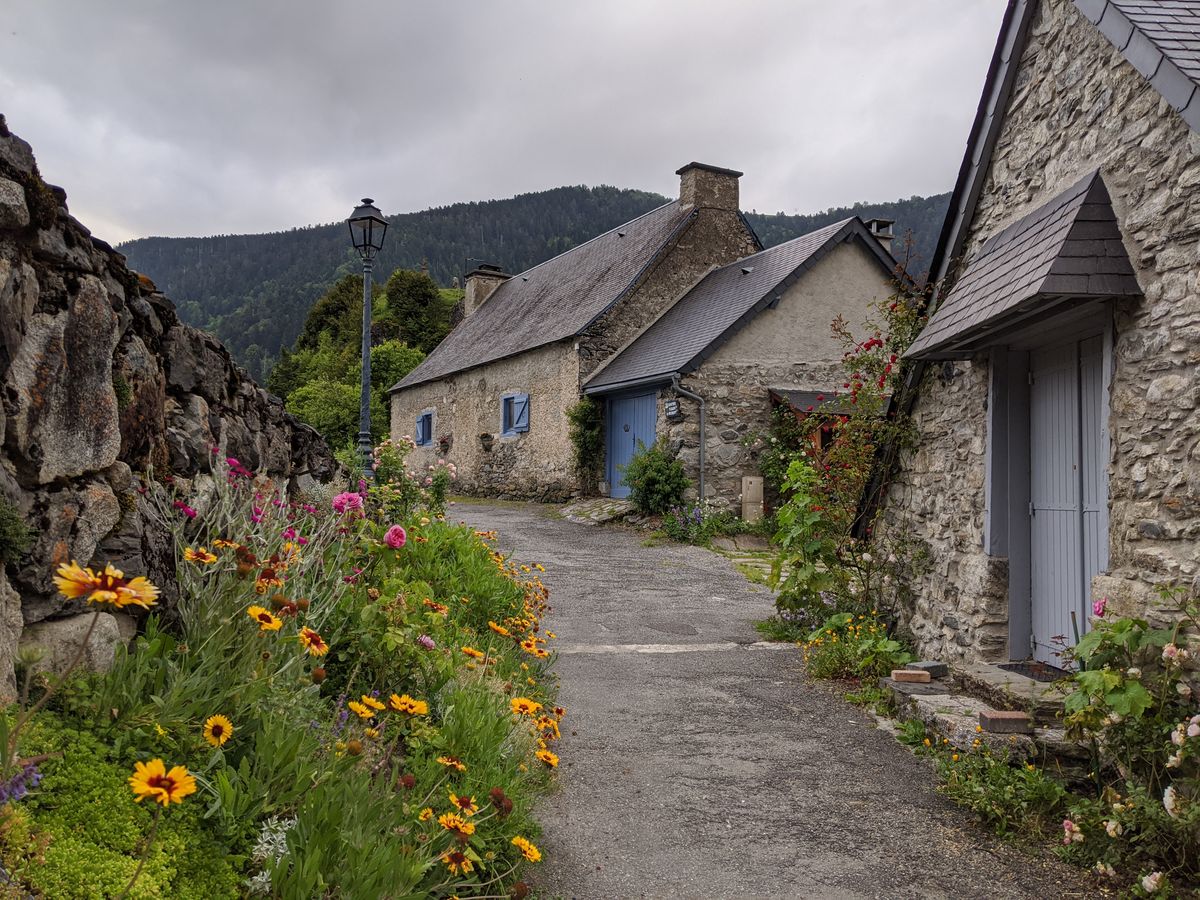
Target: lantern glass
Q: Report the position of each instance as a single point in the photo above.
(367, 229)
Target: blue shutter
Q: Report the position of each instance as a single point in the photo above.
(506, 419)
(520, 417)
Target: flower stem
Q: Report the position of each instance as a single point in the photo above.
(145, 854)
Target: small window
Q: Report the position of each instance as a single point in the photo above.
(514, 414)
(424, 436)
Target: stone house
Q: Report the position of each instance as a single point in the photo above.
(1059, 373)
(629, 317)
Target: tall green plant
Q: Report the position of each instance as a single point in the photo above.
(656, 480)
(586, 429)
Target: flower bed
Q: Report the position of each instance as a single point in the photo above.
(334, 703)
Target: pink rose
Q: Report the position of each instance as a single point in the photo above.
(396, 537)
(347, 501)
(1099, 606)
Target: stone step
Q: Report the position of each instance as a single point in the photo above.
(1010, 690)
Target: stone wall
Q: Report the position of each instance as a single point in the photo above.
(790, 346)
(1077, 105)
(536, 464)
(101, 380)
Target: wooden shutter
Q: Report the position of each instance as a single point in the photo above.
(520, 415)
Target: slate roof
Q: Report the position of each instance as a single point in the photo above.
(721, 303)
(1159, 38)
(555, 299)
(1068, 247)
(813, 401)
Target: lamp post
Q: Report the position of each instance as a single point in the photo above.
(367, 228)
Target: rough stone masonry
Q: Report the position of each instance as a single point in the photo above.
(101, 381)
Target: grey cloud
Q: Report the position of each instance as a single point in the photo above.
(222, 116)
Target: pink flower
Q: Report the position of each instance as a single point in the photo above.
(396, 537)
(347, 501)
(257, 515)
(232, 462)
(185, 509)
(289, 534)
(1071, 833)
(426, 641)
(1099, 606)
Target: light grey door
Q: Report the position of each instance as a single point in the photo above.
(1068, 490)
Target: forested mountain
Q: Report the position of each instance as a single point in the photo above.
(254, 291)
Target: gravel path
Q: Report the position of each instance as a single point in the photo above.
(698, 763)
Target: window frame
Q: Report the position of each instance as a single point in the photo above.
(424, 440)
(508, 418)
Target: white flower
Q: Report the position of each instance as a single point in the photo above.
(867, 557)
(1171, 802)
(1133, 672)
(1184, 690)
(1152, 882)
(1193, 729)
(1179, 735)
(1113, 827)
(1174, 760)
(1103, 868)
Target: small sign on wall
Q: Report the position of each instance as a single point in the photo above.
(672, 410)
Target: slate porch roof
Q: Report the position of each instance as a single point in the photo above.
(1068, 247)
(721, 303)
(555, 299)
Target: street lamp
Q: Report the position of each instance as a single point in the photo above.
(367, 228)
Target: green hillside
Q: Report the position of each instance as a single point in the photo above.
(254, 291)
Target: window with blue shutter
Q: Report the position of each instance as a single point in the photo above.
(514, 414)
(424, 435)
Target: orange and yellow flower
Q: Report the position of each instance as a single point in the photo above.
(457, 861)
(499, 629)
(528, 850)
(110, 586)
(154, 781)
(425, 815)
(266, 621)
(465, 805)
(313, 642)
(408, 705)
(368, 700)
(456, 824)
(452, 762)
(523, 706)
(199, 556)
(217, 730)
(473, 653)
(548, 758)
(360, 710)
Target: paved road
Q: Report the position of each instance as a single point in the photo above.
(698, 764)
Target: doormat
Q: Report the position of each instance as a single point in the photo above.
(1038, 671)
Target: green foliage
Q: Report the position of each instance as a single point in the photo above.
(656, 480)
(332, 407)
(1009, 796)
(15, 536)
(786, 441)
(701, 521)
(586, 429)
(417, 312)
(849, 646)
(390, 361)
(781, 627)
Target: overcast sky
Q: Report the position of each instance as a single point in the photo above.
(232, 116)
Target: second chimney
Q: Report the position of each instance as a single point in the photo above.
(710, 187)
(479, 285)
(882, 229)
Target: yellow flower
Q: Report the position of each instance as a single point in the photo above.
(217, 730)
(266, 621)
(529, 645)
(528, 850)
(199, 556)
(457, 861)
(548, 758)
(110, 586)
(425, 815)
(549, 725)
(472, 652)
(954, 757)
(313, 642)
(452, 762)
(154, 781)
(926, 742)
(456, 824)
(523, 706)
(361, 711)
(159, 730)
(465, 805)
(372, 733)
(222, 544)
(406, 704)
(370, 701)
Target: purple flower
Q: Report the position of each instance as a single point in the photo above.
(427, 642)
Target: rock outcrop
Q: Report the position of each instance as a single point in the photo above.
(101, 382)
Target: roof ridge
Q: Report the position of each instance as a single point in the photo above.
(800, 237)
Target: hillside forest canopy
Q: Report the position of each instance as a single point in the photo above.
(253, 291)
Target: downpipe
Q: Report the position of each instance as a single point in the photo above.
(679, 389)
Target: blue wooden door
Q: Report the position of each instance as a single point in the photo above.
(630, 422)
(1068, 491)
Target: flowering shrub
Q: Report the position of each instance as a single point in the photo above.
(1135, 703)
(849, 646)
(702, 520)
(401, 490)
(326, 712)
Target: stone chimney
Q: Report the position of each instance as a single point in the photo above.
(882, 229)
(708, 187)
(481, 283)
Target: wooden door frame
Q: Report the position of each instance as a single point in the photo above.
(1007, 529)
